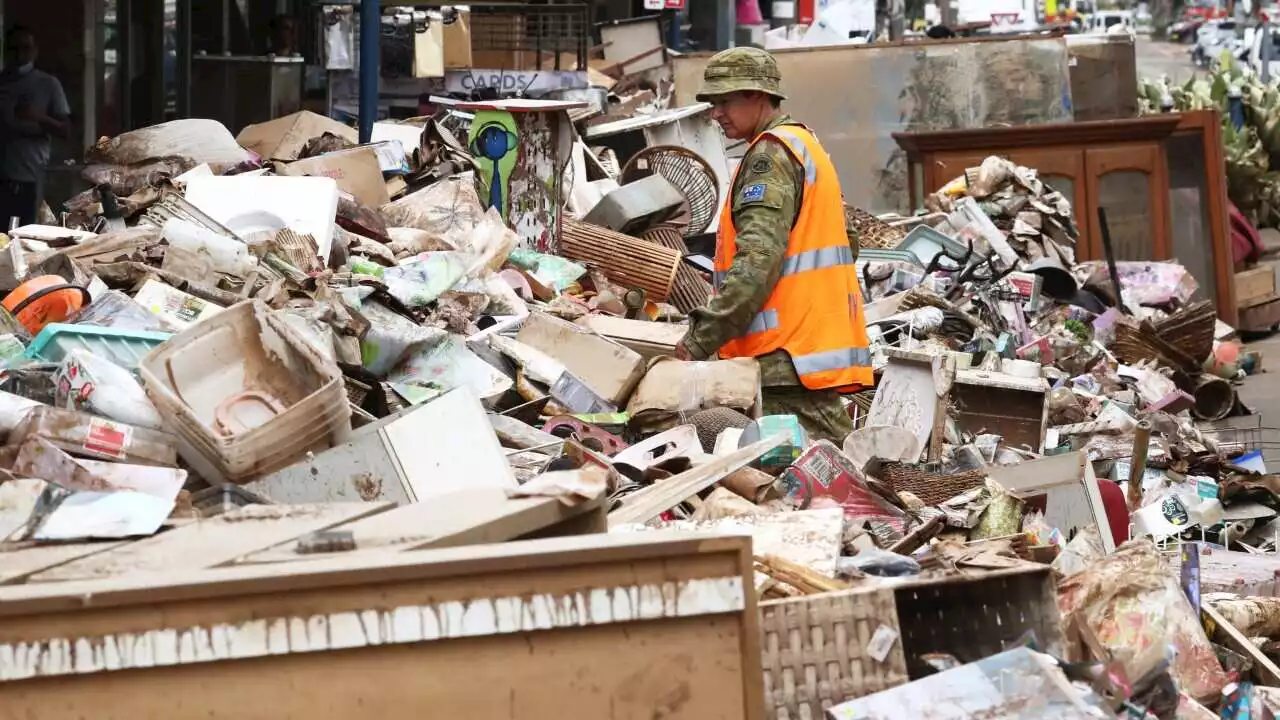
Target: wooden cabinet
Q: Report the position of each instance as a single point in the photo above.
(626, 625)
(1160, 179)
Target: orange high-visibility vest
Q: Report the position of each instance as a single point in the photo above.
(815, 311)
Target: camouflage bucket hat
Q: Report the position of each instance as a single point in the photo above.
(738, 70)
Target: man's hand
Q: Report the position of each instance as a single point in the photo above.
(682, 353)
(26, 112)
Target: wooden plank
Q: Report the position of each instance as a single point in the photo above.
(214, 542)
(190, 582)
(17, 565)
(1228, 635)
(1254, 284)
(662, 496)
(521, 435)
(469, 517)
(684, 671)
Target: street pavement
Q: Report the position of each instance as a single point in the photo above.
(1157, 58)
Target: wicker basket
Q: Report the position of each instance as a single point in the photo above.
(972, 617)
(356, 391)
(872, 231)
(816, 651)
(932, 489)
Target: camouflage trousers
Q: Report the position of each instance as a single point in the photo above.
(820, 412)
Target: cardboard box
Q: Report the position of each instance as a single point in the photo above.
(1262, 315)
(357, 172)
(609, 369)
(283, 138)
(457, 42)
(1103, 72)
(1254, 284)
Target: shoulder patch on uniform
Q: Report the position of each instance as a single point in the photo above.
(761, 165)
(753, 193)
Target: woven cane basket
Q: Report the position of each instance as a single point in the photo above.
(816, 651)
(932, 489)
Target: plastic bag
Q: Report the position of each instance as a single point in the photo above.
(437, 368)
(1134, 605)
(339, 39)
(551, 270)
(881, 563)
(391, 337)
(418, 282)
(96, 385)
(1001, 517)
(114, 309)
(196, 139)
(12, 351)
(450, 208)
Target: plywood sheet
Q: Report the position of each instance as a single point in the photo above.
(467, 517)
(1068, 482)
(213, 542)
(17, 565)
(906, 399)
(855, 97)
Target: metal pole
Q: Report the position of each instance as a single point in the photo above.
(1264, 72)
(1110, 255)
(370, 64)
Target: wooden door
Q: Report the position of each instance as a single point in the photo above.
(1063, 170)
(942, 168)
(1131, 182)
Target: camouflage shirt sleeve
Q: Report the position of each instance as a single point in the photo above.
(766, 200)
(851, 232)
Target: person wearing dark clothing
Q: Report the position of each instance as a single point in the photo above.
(33, 110)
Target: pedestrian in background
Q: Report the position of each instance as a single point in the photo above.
(33, 110)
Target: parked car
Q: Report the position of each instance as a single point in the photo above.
(1184, 30)
(1110, 22)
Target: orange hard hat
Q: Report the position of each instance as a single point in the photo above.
(43, 300)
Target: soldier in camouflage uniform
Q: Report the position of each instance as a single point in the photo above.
(743, 86)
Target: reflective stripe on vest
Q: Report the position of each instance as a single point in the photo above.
(818, 259)
(831, 360)
(717, 278)
(801, 152)
(764, 321)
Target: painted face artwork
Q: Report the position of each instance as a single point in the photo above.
(493, 141)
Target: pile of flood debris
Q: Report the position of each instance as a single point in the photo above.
(289, 316)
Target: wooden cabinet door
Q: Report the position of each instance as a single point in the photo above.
(942, 168)
(1063, 170)
(1131, 182)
